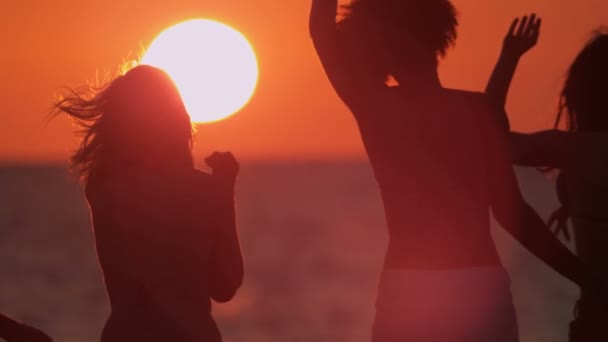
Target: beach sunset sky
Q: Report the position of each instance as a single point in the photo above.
(294, 113)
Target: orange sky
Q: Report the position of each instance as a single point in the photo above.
(294, 113)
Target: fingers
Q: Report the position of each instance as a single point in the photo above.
(221, 158)
(529, 26)
(221, 155)
(539, 23)
(225, 156)
(513, 26)
(212, 159)
(224, 167)
(522, 26)
(531, 29)
(536, 30)
(214, 155)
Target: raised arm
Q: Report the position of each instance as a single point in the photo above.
(520, 220)
(347, 76)
(324, 34)
(522, 37)
(322, 21)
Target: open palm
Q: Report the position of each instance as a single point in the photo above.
(522, 36)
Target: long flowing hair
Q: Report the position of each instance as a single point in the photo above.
(137, 119)
(583, 105)
(582, 101)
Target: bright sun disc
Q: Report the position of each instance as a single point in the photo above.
(212, 64)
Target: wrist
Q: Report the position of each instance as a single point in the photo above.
(507, 55)
(226, 182)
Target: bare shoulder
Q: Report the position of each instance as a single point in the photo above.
(475, 106)
(468, 97)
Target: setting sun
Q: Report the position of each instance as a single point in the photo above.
(213, 65)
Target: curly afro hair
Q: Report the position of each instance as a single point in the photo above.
(429, 24)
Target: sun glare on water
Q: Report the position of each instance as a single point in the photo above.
(213, 65)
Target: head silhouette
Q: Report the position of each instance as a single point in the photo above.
(402, 35)
(584, 99)
(137, 119)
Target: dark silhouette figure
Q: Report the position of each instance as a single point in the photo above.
(165, 232)
(13, 331)
(442, 161)
(581, 155)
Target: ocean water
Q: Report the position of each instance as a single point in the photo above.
(313, 236)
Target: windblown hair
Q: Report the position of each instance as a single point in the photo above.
(583, 99)
(137, 119)
(583, 104)
(429, 26)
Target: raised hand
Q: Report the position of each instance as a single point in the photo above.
(522, 36)
(224, 166)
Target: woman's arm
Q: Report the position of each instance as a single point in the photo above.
(13, 331)
(519, 40)
(520, 220)
(584, 151)
(540, 149)
(521, 37)
(227, 270)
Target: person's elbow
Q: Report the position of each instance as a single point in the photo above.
(225, 291)
(223, 296)
(228, 283)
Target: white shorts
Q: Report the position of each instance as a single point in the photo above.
(460, 305)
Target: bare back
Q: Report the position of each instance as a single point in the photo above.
(155, 233)
(429, 157)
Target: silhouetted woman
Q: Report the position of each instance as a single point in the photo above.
(442, 160)
(581, 155)
(14, 331)
(165, 232)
